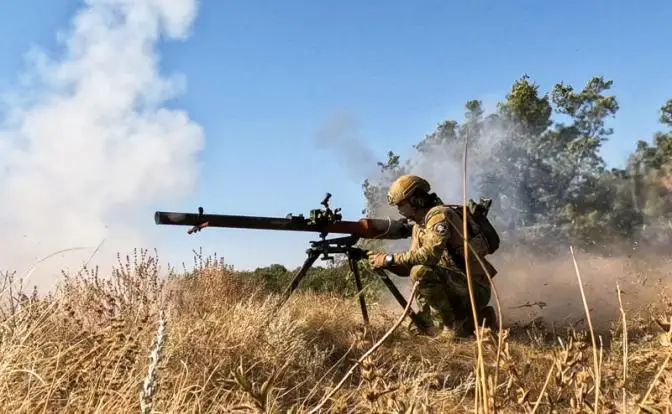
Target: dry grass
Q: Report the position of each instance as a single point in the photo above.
(101, 345)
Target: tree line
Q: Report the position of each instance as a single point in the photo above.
(537, 157)
(545, 174)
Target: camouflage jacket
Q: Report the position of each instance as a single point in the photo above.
(435, 237)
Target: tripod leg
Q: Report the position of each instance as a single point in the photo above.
(310, 260)
(420, 323)
(358, 283)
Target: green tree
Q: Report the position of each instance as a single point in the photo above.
(650, 171)
(376, 193)
(541, 172)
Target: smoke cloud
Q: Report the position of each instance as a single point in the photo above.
(87, 143)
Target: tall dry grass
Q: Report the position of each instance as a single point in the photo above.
(210, 341)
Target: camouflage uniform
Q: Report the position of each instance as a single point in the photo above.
(442, 284)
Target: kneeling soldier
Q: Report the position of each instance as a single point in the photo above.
(436, 257)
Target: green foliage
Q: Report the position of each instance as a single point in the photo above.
(547, 173)
(666, 113)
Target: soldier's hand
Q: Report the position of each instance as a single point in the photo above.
(376, 260)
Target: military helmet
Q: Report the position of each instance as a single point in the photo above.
(404, 186)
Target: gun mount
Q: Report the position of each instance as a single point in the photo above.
(322, 221)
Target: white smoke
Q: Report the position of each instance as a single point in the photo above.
(442, 164)
(86, 143)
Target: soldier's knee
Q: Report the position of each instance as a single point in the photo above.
(419, 272)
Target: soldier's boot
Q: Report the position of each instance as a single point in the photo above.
(425, 315)
(441, 321)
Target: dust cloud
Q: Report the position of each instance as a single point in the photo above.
(532, 288)
(87, 143)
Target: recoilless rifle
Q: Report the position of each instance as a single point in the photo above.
(322, 221)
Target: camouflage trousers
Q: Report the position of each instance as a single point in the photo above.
(445, 292)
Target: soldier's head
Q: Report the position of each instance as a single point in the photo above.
(411, 195)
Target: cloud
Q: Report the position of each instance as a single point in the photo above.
(86, 141)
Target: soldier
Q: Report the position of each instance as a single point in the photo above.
(436, 259)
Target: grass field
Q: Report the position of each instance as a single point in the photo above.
(211, 341)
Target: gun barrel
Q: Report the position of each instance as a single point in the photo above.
(365, 228)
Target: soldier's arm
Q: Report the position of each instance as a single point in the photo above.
(434, 243)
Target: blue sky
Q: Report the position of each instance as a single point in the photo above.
(263, 78)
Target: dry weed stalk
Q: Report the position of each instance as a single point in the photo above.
(596, 368)
(150, 384)
(481, 379)
(642, 403)
(543, 389)
(625, 347)
(481, 389)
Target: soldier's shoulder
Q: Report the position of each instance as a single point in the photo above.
(440, 212)
(437, 221)
(436, 215)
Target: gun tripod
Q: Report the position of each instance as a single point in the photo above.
(344, 245)
(323, 220)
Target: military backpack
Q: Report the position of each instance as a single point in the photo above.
(478, 223)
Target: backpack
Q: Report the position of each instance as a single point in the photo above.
(478, 222)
